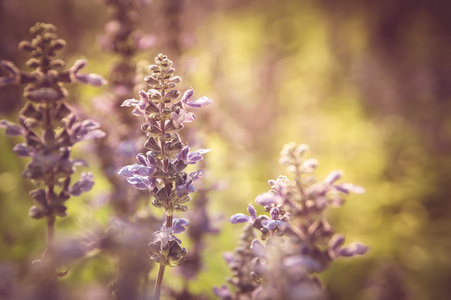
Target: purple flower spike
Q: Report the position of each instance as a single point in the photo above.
(239, 218)
(178, 225)
(85, 184)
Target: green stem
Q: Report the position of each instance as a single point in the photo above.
(159, 280)
(50, 233)
(159, 283)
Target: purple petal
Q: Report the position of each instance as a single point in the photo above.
(144, 171)
(95, 134)
(258, 248)
(85, 184)
(196, 175)
(203, 101)
(78, 65)
(90, 124)
(138, 112)
(127, 171)
(21, 150)
(349, 188)
(91, 79)
(336, 242)
(144, 97)
(131, 102)
(182, 155)
(11, 128)
(275, 224)
(141, 183)
(266, 199)
(353, 249)
(333, 176)
(141, 158)
(222, 292)
(269, 224)
(252, 212)
(195, 156)
(239, 218)
(186, 96)
(178, 225)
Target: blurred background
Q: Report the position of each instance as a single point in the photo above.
(366, 84)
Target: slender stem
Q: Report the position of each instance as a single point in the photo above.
(50, 223)
(159, 283)
(159, 280)
(50, 233)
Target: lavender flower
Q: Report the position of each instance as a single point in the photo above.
(49, 126)
(161, 170)
(50, 129)
(299, 240)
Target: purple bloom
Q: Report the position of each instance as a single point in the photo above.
(203, 101)
(353, 249)
(267, 199)
(274, 223)
(146, 166)
(184, 185)
(91, 79)
(333, 176)
(182, 116)
(178, 225)
(349, 188)
(85, 184)
(86, 130)
(13, 73)
(223, 292)
(242, 218)
(191, 157)
(21, 149)
(140, 182)
(11, 128)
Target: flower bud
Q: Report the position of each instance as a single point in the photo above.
(35, 212)
(26, 46)
(33, 63)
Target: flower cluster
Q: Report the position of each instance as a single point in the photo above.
(297, 239)
(161, 169)
(48, 124)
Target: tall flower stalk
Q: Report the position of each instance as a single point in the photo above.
(161, 169)
(49, 126)
(297, 241)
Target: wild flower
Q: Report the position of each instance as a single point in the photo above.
(298, 241)
(161, 169)
(49, 125)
